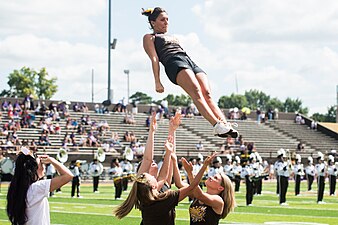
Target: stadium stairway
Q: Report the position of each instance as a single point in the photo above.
(302, 133)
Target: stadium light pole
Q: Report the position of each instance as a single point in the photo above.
(111, 45)
(127, 72)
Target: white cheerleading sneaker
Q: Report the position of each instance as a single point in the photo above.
(222, 129)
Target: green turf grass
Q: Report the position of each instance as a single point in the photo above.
(97, 208)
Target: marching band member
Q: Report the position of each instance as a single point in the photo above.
(279, 156)
(116, 170)
(76, 179)
(332, 171)
(320, 169)
(228, 168)
(50, 173)
(94, 170)
(259, 175)
(310, 173)
(216, 167)
(237, 168)
(127, 168)
(247, 173)
(298, 171)
(283, 168)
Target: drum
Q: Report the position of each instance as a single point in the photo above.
(7, 166)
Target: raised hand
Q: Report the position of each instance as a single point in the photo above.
(187, 165)
(153, 123)
(45, 159)
(168, 145)
(159, 87)
(175, 121)
(209, 158)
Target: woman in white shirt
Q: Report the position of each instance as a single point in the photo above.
(27, 195)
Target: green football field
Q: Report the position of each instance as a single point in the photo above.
(97, 208)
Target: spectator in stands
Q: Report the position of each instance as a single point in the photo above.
(314, 125)
(199, 146)
(250, 146)
(275, 114)
(299, 119)
(44, 140)
(57, 129)
(43, 110)
(84, 108)
(258, 115)
(32, 146)
(189, 112)
(148, 121)
(76, 107)
(239, 140)
(15, 138)
(97, 109)
(270, 114)
(159, 113)
(73, 138)
(139, 151)
(81, 130)
(4, 105)
(92, 140)
(66, 111)
(263, 117)
(300, 147)
(132, 136)
(10, 114)
(129, 119)
(114, 139)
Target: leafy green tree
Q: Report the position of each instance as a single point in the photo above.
(318, 117)
(178, 100)
(330, 116)
(26, 81)
(274, 103)
(21, 82)
(141, 98)
(257, 99)
(291, 105)
(45, 88)
(182, 100)
(233, 101)
(170, 98)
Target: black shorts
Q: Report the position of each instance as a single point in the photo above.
(177, 63)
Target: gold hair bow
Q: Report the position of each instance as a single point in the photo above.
(139, 178)
(149, 10)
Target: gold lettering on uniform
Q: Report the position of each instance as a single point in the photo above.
(197, 213)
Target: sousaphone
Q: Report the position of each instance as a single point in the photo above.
(62, 155)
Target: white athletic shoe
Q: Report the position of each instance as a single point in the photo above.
(222, 129)
(284, 204)
(321, 202)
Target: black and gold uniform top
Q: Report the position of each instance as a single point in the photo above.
(166, 47)
(202, 214)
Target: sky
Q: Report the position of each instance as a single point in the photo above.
(284, 48)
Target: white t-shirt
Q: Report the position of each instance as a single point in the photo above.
(37, 203)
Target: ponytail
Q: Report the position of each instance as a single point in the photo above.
(152, 13)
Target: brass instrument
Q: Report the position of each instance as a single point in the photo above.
(62, 155)
(100, 155)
